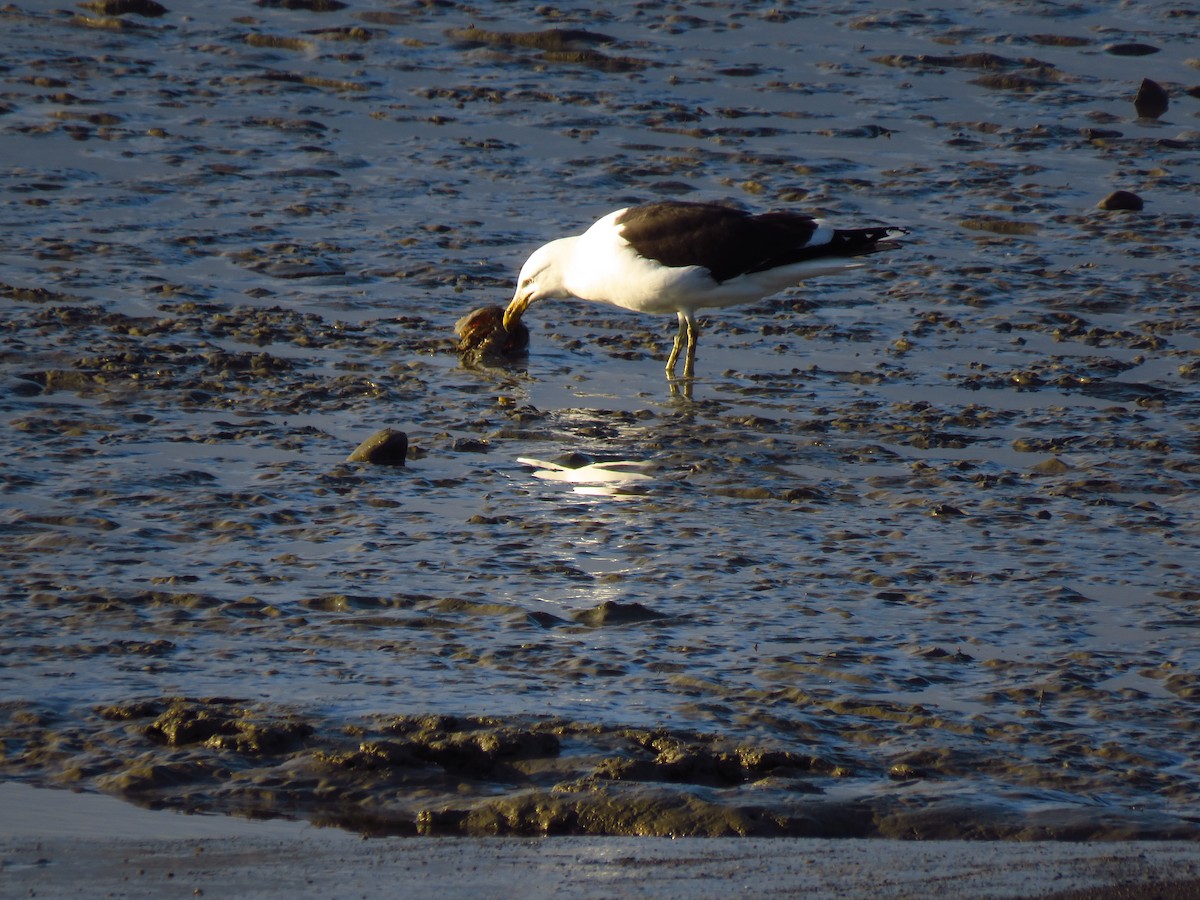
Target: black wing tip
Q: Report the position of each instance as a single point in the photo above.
(890, 233)
(861, 241)
(879, 232)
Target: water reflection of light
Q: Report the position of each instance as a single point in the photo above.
(621, 479)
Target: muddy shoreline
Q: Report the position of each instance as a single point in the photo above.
(481, 776)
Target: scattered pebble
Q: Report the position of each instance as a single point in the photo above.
(148, 8)
(388, 447)
(1152, 99)
(1121, 200)
(612, 613)
(1131, 49)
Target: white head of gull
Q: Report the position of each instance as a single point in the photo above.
(679, 257)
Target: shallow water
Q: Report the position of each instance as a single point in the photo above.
(931, 525)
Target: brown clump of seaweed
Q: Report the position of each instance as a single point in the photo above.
(483, 339)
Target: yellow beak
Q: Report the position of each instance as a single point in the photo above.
(515, 310)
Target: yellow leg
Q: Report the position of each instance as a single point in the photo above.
(693, 337)
(679, 338)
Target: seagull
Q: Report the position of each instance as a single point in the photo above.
(678, 257)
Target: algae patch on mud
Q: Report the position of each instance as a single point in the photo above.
(406, 774)
(480, 776)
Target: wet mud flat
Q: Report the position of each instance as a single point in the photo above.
(916, 558)
(446, 775)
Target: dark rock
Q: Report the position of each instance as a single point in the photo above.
(147, 8)
(1060, 40)
(471, 445)
(1121, 200)
(1013, 81)
(388, 447)
(1130, 49)
(550, 39)
(983, 61)
(945, 509)
(310, 5)
(611, 613)
(1152, 99)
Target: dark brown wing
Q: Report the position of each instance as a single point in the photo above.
(729, 242)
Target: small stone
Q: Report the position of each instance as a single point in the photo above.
(1131, 49)
(612, 613)
(944, 510)
(1152, 99)
(310, 5)
(388, 447)
(1051, 466)
(148, 8)
(1121, 200)
(471, 445)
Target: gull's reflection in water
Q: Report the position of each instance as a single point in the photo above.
(621, 479)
